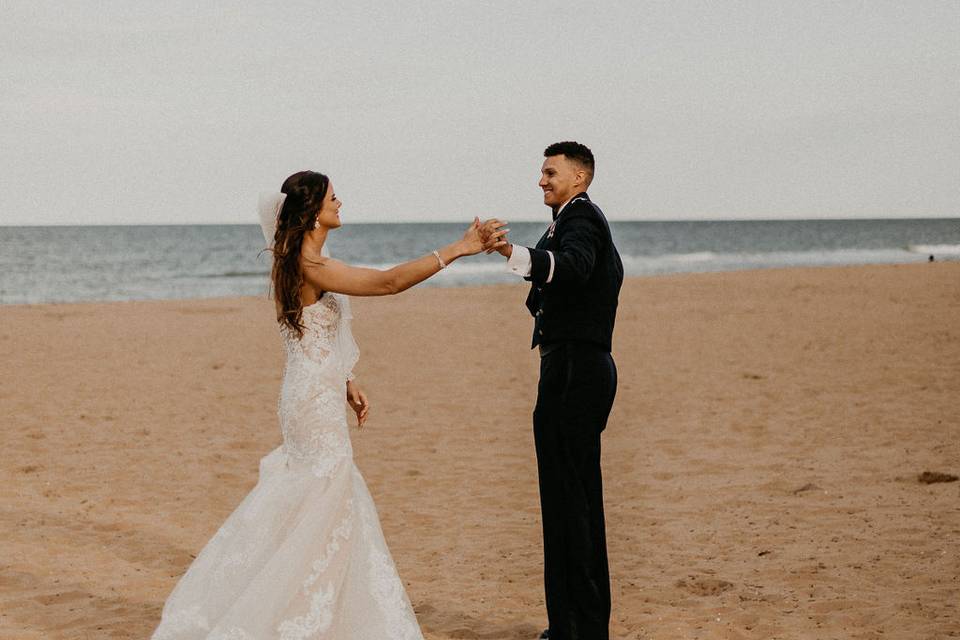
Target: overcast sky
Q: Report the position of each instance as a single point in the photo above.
(176, 112)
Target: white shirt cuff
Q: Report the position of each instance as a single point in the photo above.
(519, 262)
(521, 265)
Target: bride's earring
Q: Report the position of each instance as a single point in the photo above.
(316, 223)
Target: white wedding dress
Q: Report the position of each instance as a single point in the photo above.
(303, 556)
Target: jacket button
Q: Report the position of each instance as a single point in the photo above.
(539, 312)
(540, 331)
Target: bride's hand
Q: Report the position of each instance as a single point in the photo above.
(357, 400)
(480, 237)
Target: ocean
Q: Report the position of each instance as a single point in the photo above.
(98, 263)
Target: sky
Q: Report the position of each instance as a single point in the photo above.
(129, 112)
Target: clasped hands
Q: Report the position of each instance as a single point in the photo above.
(488, 236)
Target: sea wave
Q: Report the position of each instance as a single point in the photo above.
(493, 270)
(230, 274)
(695, 257)
(935, 249)
(732, 261)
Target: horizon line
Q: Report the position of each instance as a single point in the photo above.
(538, 220)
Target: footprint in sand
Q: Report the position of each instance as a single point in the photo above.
(704, 586)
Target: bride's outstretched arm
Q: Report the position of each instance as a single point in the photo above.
(339, 277)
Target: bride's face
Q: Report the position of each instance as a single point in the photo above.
(329, 215)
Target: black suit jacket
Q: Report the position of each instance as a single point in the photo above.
(580, 302)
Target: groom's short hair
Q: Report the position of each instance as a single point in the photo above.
(575, 151)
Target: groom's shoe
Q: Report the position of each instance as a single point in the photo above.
(545, 635)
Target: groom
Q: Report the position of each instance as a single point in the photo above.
(576, 274)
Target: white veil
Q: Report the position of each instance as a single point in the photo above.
(268, 207)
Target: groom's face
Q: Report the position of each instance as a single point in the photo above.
(560, 179)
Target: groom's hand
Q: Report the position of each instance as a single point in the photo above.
(494, 238)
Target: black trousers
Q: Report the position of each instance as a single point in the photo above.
(577, 385)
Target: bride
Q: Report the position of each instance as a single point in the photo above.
(303, 556)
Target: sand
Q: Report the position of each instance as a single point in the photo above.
(761, 462)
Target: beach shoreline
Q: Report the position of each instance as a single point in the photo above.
(760, 464)
(93, 264)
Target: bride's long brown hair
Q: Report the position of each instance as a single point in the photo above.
(305, 193)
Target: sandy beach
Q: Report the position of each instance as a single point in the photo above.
(761, 463)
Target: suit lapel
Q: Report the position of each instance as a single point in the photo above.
(544, 240)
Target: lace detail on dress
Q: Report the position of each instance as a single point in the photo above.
(320, 615)
(239, 557)
(234, 633)
(311, 409)
(341, 533)
(320, 321)
(184, 620)
(387, 588)
(316, 621)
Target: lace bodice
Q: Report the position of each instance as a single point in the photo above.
(326, 334)
(312, 397)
